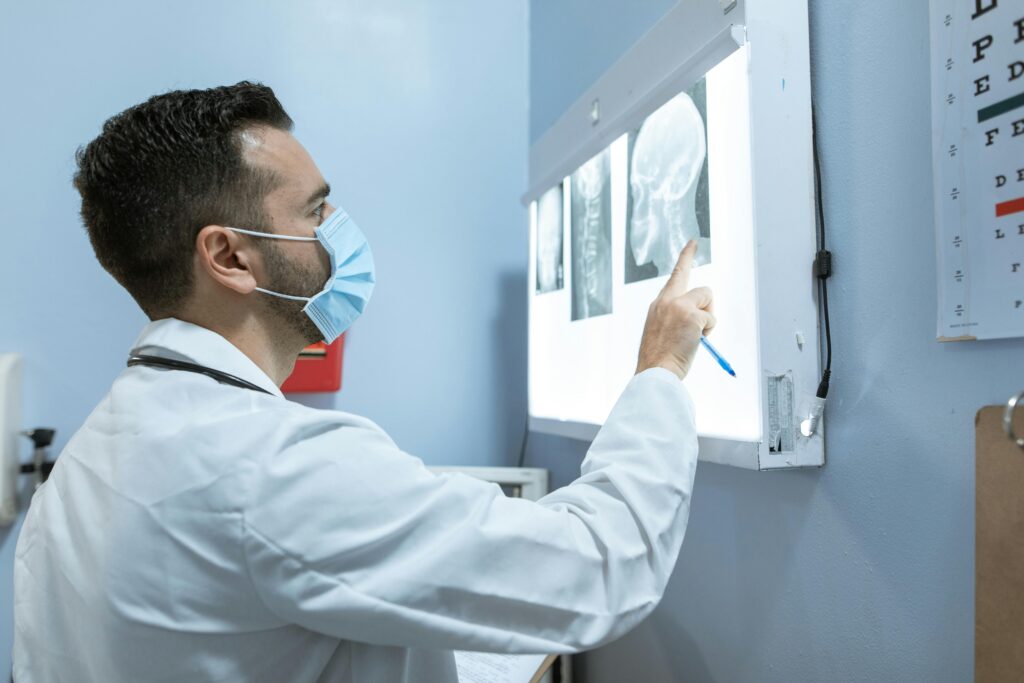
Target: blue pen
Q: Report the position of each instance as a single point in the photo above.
(721, 361)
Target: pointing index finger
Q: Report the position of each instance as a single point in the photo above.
(679, 282)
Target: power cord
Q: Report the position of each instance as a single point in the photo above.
(822, 272)
(522, 446)
(822, 262)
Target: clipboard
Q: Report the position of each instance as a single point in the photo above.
(999, 545)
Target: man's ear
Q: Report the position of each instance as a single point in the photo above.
(227, 258)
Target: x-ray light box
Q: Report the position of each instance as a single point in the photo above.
(702, 130)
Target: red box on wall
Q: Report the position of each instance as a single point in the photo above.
(317, 369)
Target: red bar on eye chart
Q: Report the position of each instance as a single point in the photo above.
(1012, 206)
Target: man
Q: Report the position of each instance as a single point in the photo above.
(201, 527)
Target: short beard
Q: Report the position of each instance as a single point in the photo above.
(295, 280)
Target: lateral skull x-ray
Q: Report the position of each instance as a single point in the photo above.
(549, 241)
(591, 224)
(668, 187)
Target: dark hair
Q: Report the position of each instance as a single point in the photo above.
(161, 171)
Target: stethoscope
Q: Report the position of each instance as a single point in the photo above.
(171, 364)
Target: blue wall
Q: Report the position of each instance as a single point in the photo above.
(862, 571)
(572, 42)
(415, 112)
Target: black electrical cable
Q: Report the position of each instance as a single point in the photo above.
(822, 260)
(522, 447)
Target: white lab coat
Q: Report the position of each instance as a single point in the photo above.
(196, 531)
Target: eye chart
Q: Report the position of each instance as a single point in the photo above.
(978, 155)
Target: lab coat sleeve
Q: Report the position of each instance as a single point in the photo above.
(347, 535)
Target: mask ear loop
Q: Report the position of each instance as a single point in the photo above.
(254, 233)
(283, 296)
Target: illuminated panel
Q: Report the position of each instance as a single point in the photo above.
(685, 172)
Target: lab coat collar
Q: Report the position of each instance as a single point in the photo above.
(173, 338)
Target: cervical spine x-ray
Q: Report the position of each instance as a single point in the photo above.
(549, 241)
(591, 225)
(668, 187)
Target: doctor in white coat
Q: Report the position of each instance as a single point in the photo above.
(201, 527)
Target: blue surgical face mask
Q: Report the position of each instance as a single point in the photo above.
(347, 290)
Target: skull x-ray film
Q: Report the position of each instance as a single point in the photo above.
(591, 228)
(668, 201)
(550, 259)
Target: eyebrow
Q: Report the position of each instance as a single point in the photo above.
(321, 193)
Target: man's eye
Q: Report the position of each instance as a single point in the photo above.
(319, 211)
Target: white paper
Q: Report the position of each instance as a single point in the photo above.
(977, 49)
(486, 667)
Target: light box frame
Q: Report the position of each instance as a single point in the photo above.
(686, 43)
